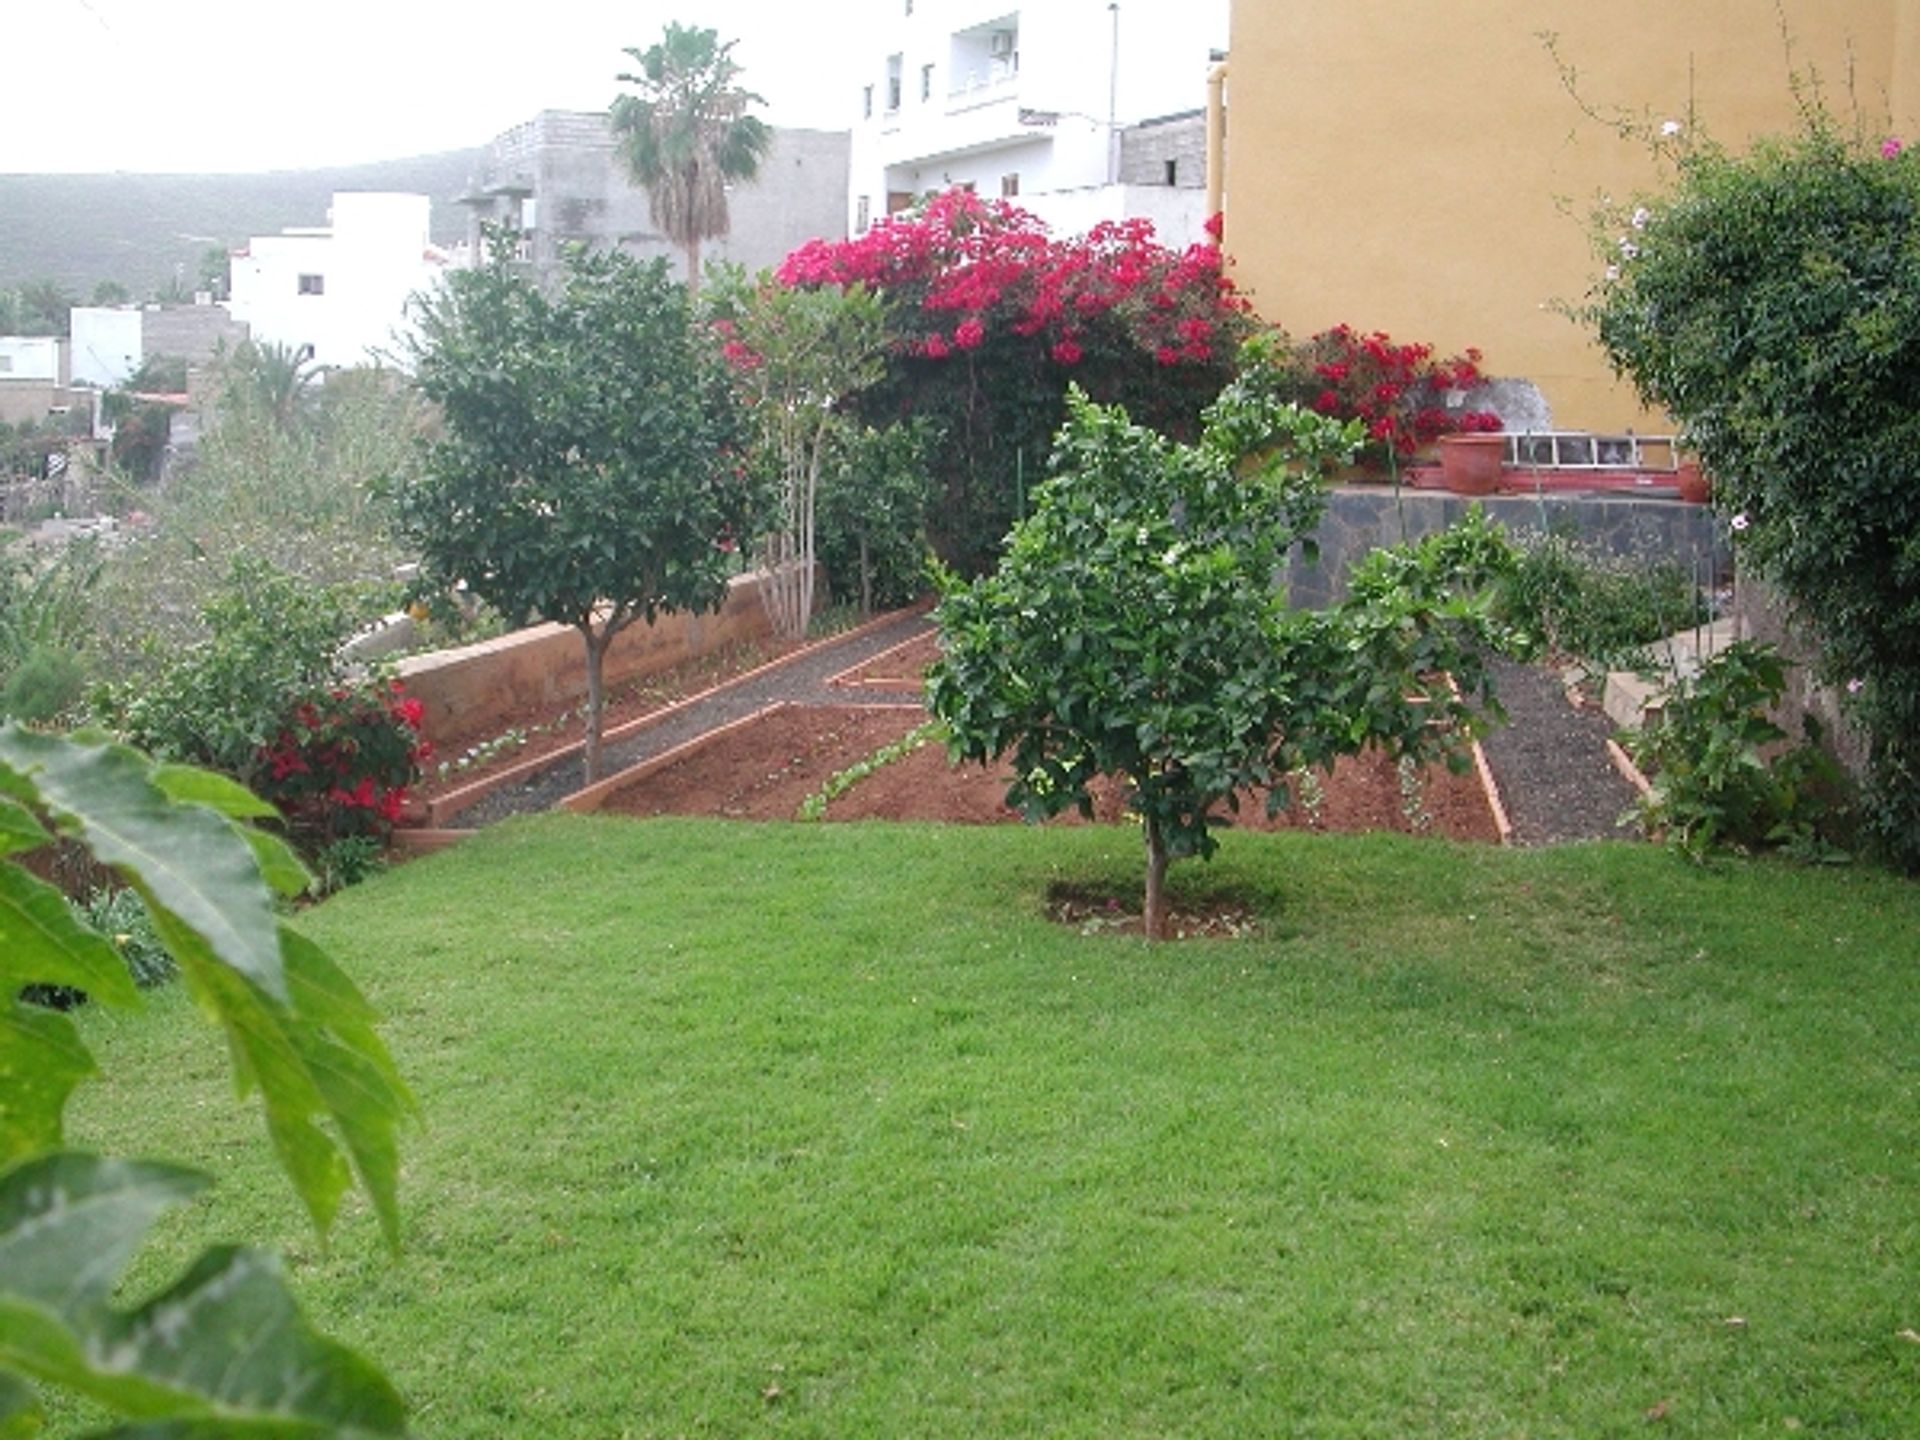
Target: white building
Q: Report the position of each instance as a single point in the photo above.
(1036, 103)
(110, 342)
(343, 288)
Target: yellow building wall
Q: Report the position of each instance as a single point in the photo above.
(1423, 169)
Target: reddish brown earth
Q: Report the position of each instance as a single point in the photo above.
(547, 733)
(764, 770)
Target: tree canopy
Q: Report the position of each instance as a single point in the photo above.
(1771, 303)
(686, 135)
(587, 469)
(1136, 629)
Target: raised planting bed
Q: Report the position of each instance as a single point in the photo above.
(767, 766)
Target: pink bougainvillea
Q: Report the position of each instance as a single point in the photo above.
(968, 269)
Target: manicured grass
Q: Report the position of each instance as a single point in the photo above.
(826, 1131)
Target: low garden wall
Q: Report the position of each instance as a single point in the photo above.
(1360, 518)
(475, 690)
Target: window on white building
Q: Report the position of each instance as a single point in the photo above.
(312, 285)
(1173, 172)
(926, 83)
(862, 215)
(1009, 186)
(866, 102)
(896, 65)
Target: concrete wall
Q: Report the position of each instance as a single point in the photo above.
(30, 399)
(1361, 518)
(1147, 149)
(192, 332)
(1422, 169)
(560, 177)
(474, 692)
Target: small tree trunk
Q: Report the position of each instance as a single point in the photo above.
(693, 268)
(866, 580)
(596, 694)
(1155, 919)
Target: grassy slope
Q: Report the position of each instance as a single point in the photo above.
(823, 1131)
(82, 229)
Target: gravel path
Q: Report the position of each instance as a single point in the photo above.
(1550, 762)
(800, 678)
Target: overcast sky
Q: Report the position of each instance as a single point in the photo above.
(200, 85)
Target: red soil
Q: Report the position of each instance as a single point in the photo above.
(766, 769)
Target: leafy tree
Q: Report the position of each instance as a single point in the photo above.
(1771, 303)
(1135, 629)
(588, 469)
(872, 517)
(795, 357)
(687, 134)
(44, 630)
(270, 379)
(111, 292)
(224, 1351)
(990, 319)
(216, 271)
(45, 307)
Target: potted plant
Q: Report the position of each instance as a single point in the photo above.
(1471, 463)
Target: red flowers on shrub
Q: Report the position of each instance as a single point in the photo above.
(996, 268)
(1397, 391)
(343, 762)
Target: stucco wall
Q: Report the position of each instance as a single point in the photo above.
(474, 692)
(1422, 169)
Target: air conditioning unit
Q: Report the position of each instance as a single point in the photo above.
(1000, 45)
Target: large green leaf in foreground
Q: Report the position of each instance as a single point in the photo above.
(225, 1342)
(224, 1351)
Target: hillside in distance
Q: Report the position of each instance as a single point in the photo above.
(136, 229)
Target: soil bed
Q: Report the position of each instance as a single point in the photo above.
(765, 770)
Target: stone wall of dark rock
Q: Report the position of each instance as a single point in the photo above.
(1363, 517)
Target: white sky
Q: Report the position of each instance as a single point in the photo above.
(234, 85)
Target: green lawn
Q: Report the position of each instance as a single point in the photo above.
(824, 1130)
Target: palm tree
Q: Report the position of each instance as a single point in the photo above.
(687, 133)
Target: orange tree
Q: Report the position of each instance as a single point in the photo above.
(992, 318)
(1134, 629)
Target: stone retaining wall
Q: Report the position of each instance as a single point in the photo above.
(1363, 517)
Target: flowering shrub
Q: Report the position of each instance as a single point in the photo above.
(1398, 391)
(342, 763)
(992, 317)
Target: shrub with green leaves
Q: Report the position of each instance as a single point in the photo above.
(267, 699)
(1722, 775)
(1770, 302)
(1569, 598)
(872, 518)
(271, 641)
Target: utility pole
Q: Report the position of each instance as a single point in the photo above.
(1113, 98)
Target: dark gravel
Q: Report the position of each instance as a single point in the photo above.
(801, 679)
(1550, 762)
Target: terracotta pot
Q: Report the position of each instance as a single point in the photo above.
(1692, 482)
(1471, 464)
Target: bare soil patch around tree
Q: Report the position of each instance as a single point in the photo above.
(767, 767)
